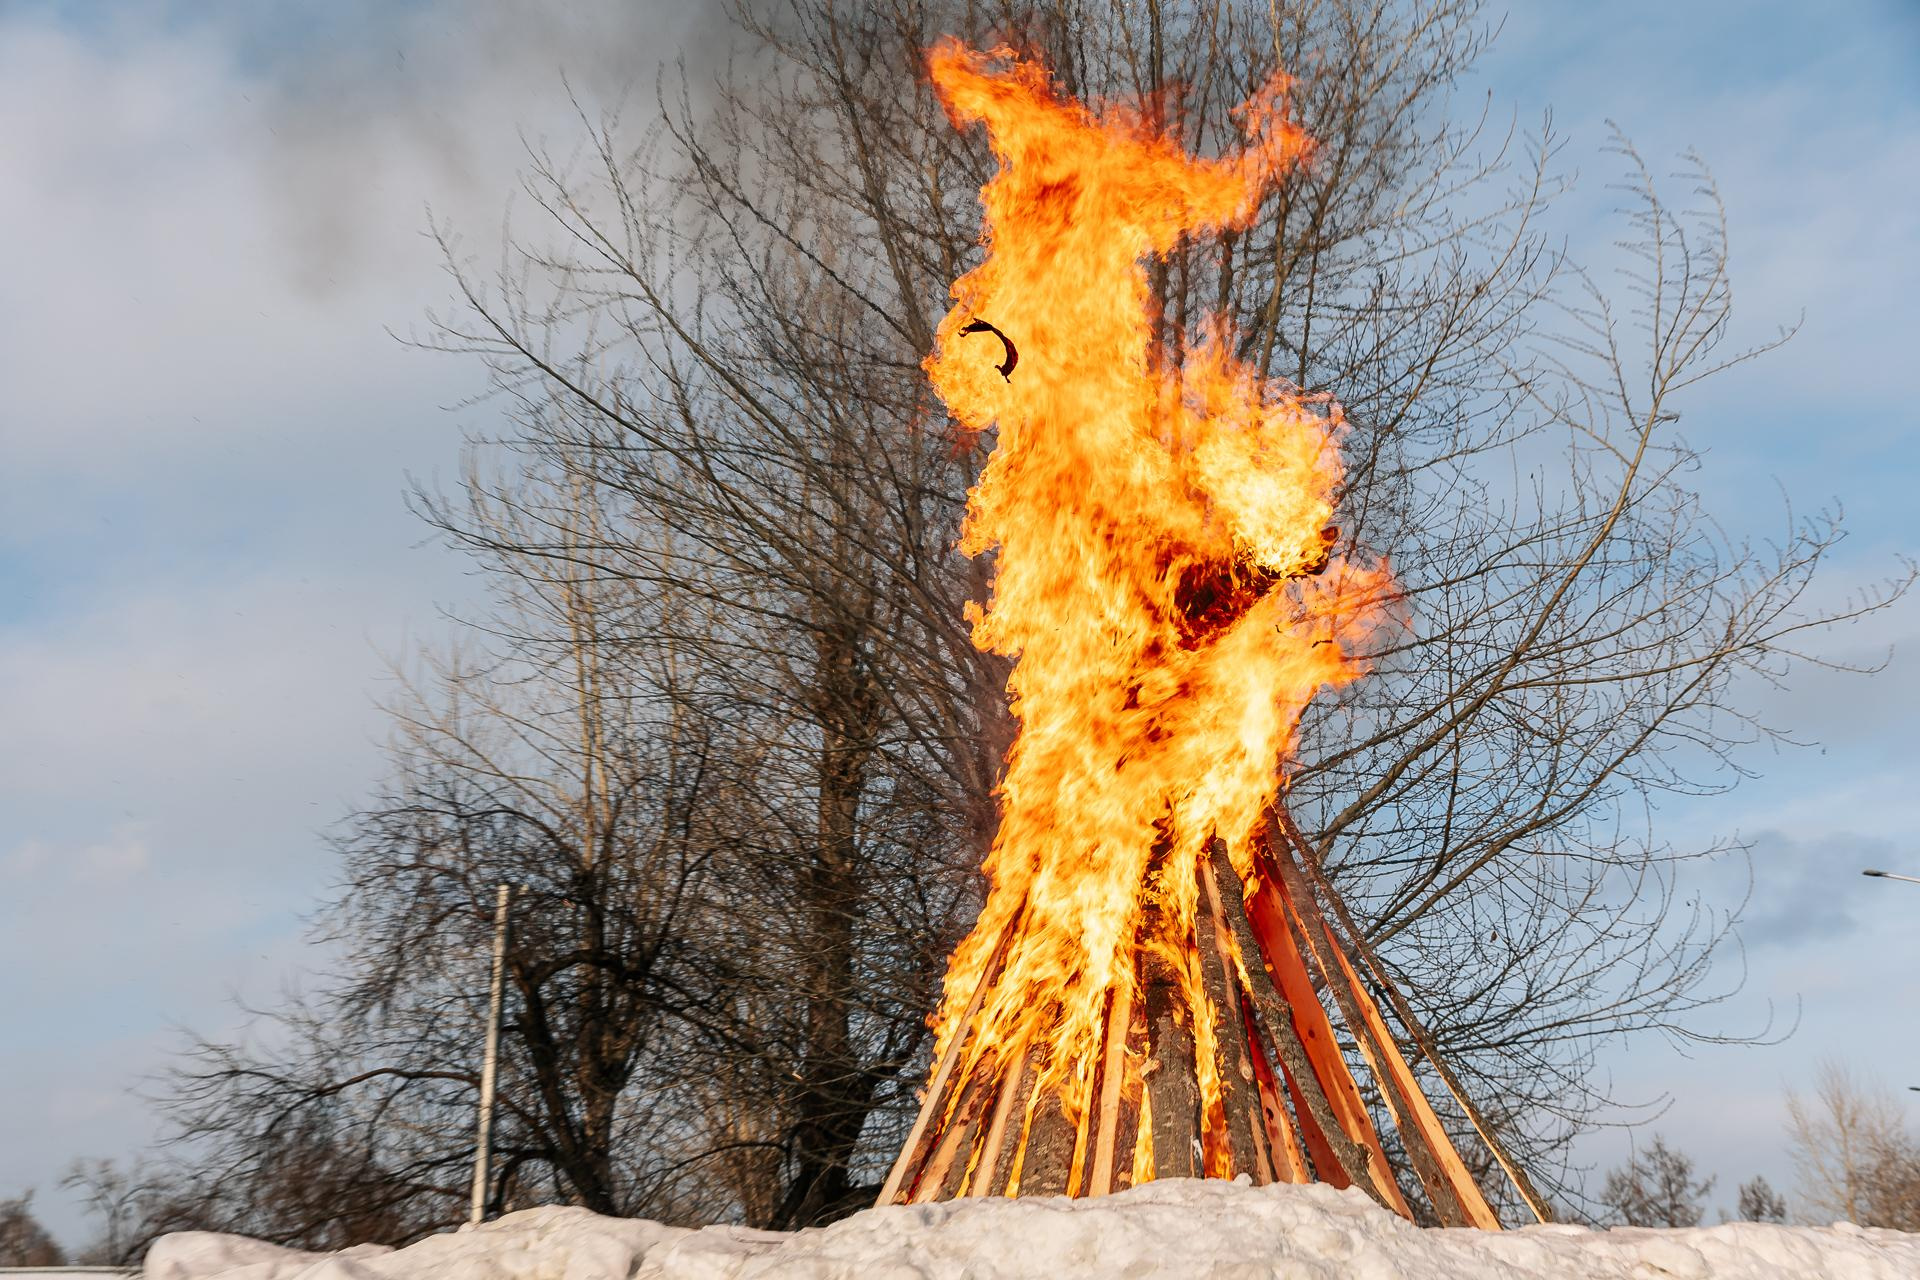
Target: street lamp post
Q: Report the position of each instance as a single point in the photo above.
(1888, 875)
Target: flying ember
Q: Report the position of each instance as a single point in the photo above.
(1169, 580)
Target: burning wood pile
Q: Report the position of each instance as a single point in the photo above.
(1151, 989)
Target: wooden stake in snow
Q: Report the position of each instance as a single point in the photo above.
(483, 1137)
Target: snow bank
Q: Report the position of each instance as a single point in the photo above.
(1178, 1228)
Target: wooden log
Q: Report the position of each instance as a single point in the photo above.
(1516, 1173)
(1341, 1087)
(1337, 1158)
(1170, 1075)
(1246, 1146)
(912, 1152)
(1048, 1159)
(1414, 1137)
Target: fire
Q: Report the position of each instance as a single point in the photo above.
(1164, 573)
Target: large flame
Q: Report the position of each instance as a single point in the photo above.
(1161, 543)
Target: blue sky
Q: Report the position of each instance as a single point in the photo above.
(214, 218)
(1810, 119)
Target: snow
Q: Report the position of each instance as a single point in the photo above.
(1181, 1228)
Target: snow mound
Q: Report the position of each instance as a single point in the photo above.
(1179, 1227)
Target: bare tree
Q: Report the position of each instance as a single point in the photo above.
(1759, 1202)
(611, 810)
(1857, 1158)
(134, 1203)
(729, 319)
(713, 964)
(728, 728)
(23, 1241)
(1656, 1188)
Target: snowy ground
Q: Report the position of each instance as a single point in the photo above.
(1173, 1228)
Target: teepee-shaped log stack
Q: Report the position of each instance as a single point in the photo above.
(1161, 984)
(1286, 1106)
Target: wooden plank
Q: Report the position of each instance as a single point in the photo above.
(1113, 1079)
(1268, 913)
(1472, 1206)
(990, 1172)
(1283, 1143)
(1340, 1079)
(1318, 1131)
(944, 1173)
(1283, 1049)
(1337, 1158)
(1128, 1137)
(1327, 957)
(911, 1150)
(1516, 1173)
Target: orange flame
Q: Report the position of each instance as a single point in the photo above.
(1162, 569)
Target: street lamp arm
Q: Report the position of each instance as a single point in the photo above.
(1888, 875)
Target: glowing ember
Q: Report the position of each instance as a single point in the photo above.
(1162, 575)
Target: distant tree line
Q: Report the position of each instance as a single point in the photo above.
(23, 1241)
(1857, 1159)
(726, 734)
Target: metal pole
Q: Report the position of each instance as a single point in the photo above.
(1888, 875)
(483, 1139)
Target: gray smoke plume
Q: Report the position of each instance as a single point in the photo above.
(370, 112)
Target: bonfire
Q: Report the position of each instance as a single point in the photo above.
(1153, 985)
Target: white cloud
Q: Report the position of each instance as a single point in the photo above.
(118, 856)
(209, 252)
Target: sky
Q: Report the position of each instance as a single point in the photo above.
(214, 222)
(1809, 117)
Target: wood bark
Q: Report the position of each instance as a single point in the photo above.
(1171, 1081)
(1246, 1149)
(1337, 1158)
(1050, 1143)
(1515, 1171)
